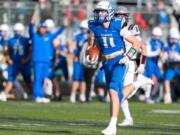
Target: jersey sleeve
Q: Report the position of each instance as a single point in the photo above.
(125, 32)
(134, 28)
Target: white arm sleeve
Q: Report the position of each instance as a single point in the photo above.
(152, 53)
(125, 32)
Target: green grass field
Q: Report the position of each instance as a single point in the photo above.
(63, 118)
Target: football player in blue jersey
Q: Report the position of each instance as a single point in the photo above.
(4, 30)
(19, 56)
(154, 49)
(42, 56)
(60, 63)
(108, 37)
(172, 60)
(78, 69)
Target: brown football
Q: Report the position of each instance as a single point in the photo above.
(93, 52)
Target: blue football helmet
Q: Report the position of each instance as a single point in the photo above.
(103, 6)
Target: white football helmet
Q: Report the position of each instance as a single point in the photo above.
(122, 10)
(50, 24)
(4, 27)
(174, 33)
(19, 27)
(84, 24)
(103, 5)
(157, 31)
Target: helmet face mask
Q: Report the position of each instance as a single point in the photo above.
(122, 12)
(100, 15)
(103, 12)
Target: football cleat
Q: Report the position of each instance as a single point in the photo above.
(42, 100)
(167, 98)
(73, 98)
(3, 97)
(126, 122)
(82, 98)
(109, 131)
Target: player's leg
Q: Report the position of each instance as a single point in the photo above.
(76, 81)
(169, 74)
(82, 86)
(150, 67)
(129, 78)
(115, 83)
(38, 92)
(26, 72)
(141, 81)
(12, 72)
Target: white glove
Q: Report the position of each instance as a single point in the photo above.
(140, 69)
(93, 60)
(124, 60)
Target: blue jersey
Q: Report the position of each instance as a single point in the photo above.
(164, 19)
(109, 39)
(19, 48)
(42, 45)
(155, 45)
(80, 39)
(172, 47)
(3, 43)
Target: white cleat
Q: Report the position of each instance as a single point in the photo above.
(149, 101)
(72, 98)
(126, 122)
(109, 131)
(167, 98)
(46, 100)
(144, 80)
(42, 100)
(3, 97)
(82, 98)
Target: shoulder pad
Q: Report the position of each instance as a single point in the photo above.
(116, 23)
(134, 28)
(91, 24)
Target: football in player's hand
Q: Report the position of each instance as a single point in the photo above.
(92, 52)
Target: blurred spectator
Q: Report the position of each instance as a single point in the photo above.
(164, 19)
(42, 56)
(172, 61)
(78, 69)
(60, 64)
(154, 48)
(75, 13)
(176, 11)
(18, 56)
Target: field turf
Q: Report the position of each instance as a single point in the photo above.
(63, 118)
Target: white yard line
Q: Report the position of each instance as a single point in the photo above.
(5, 125)
(158, 111)
(33, 124)
(161, 132)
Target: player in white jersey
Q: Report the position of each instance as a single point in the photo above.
(123, 13)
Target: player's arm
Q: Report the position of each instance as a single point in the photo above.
(61, 29)
(141, 66)
(7, 53)
(91, 40)
(29, 56)
(126, 34)
(32, 23)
